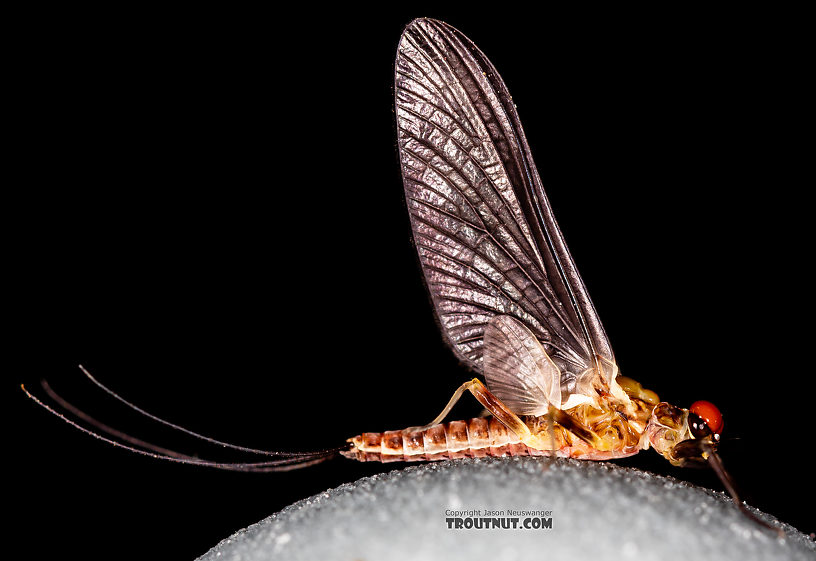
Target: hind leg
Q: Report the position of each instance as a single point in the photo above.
(496, 408)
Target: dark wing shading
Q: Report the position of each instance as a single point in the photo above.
(486, 236)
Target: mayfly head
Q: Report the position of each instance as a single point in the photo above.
(689, 437)
(704, 419)
(685, 437)
(703, 425)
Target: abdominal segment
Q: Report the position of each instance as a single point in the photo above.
(474, 438)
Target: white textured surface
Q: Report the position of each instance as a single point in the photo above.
(599, 511)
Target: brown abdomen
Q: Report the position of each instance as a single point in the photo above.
(474, 438)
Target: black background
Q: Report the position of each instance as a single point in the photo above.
(209, 216)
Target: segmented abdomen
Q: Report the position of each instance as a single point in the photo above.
(474, 438)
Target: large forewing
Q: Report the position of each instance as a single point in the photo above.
(483, 228)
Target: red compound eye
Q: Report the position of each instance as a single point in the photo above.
(709, 413)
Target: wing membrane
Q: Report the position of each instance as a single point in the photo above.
(518, 370)
(483, 228)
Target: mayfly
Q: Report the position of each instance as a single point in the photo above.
(506, 293)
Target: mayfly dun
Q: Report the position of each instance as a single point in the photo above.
(505, 290)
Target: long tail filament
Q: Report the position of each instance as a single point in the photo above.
(283, 461)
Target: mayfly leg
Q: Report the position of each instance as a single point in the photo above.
(551, 433)
(447, 409)
(510, 420)
(572, 425)
(490, 402)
